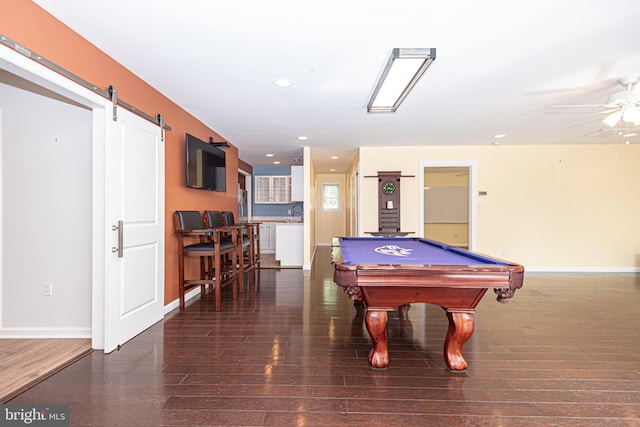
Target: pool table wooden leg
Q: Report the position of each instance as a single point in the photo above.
(403, 311)
(376, 322)
(461, 326)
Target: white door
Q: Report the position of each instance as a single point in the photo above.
(134, 291)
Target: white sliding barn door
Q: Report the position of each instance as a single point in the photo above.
(134, 291)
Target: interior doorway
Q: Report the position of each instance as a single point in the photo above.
(73, 308)
(448, 208)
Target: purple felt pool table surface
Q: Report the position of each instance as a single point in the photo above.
(407, 250)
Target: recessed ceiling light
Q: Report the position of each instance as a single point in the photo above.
(276, 162)
(629, 135)
(334, 157)
(332, 170)
(269, 155)
(282, 83)
(302, 138)
(500, 135)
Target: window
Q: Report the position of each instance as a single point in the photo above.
(273, 189)
(330, 197)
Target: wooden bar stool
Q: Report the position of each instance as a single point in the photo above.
(207, 245)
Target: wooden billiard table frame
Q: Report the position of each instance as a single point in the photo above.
(456, 288)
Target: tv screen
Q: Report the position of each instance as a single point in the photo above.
(205, 165)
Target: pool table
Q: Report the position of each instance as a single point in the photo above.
(385, 273)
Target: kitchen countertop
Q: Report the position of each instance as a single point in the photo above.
(279, 219)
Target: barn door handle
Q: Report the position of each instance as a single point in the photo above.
(120, 229)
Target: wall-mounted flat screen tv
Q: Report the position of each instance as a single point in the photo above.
(206, 165)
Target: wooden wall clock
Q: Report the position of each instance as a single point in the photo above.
(389, 204)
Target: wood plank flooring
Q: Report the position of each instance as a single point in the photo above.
(565, 351)
(24, 362)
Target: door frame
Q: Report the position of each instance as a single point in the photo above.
(354, 195)
(472, 166)
(249, 189)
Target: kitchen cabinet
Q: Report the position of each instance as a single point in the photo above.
(268, 237)
(273, 189)
(297, 183)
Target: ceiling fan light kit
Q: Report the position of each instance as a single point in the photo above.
(626, 103)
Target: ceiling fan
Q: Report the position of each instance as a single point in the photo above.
(623, 105)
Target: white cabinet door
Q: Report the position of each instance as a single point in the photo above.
(297, 183)
(267, 237)
(273, 189)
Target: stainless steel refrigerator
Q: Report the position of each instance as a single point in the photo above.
(243, 205)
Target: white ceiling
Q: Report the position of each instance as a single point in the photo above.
(500, 64)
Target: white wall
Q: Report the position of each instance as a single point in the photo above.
(548, 207)
(46, 214)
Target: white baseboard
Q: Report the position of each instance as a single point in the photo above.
(581, 270)
(45, 333)
(193, 293)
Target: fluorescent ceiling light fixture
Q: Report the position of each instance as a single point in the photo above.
(302, 138)
(402, 72)
(269, 155)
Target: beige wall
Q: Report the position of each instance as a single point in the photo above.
(569, 207)
(331, 224)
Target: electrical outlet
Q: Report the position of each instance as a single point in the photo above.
(47, 289)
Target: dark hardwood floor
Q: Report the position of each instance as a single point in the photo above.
(565, 351)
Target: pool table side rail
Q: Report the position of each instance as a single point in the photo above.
(504, 278)
(432, 275)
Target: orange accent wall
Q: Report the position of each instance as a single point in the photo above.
(32, 27)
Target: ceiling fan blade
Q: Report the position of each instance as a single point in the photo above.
(593, 116)
(579, 105)
(596, 84)
(604, 132)
(612, 119)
